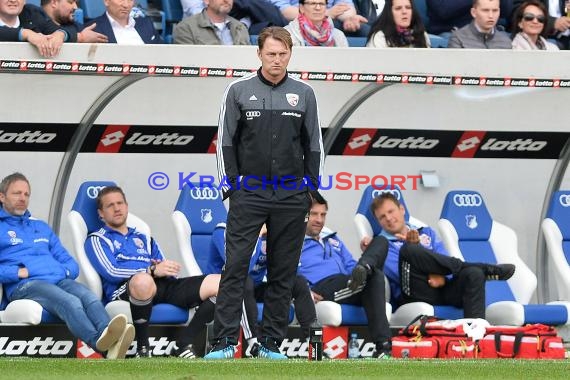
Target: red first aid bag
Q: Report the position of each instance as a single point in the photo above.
(533, 341)
(429, 337)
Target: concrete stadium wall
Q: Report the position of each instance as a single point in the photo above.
(513, 182)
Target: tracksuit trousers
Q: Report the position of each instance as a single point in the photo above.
(286, 223)
(465, 289)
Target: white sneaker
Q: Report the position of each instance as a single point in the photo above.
(120, 348)
(112, 332)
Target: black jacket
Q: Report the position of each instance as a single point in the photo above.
(270, 133)
(36, 20)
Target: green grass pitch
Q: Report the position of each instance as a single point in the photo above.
(253, 369)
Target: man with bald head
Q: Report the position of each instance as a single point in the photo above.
(482, 32)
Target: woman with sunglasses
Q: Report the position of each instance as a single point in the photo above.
(313, 27)
(399, 25)
(530, 27)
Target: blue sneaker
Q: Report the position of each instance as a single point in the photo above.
(221, 350)
(269, 350)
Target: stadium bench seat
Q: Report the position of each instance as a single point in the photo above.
(196, 215)
(470, 233)
(556, 230)
(24, 311)
(84, 219)
(367, 225)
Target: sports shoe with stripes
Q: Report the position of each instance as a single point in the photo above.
(269, 350)
(186, 352)
(383, 350)
(358, 277)
(221, 350)
(266, 353)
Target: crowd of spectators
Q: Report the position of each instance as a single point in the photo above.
(479, 24)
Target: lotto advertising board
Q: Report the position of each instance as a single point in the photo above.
(56, 341)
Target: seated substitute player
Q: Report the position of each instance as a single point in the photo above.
(34, 265)
(330, 268)
(131, 273)
(419, 268)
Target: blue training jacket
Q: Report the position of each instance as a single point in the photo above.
(117, 257)
(217, 258)
(324, 258)
(31, 243)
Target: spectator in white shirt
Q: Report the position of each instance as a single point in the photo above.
(120, 27)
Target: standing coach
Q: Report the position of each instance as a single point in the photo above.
(270, 156)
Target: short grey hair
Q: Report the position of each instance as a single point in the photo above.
(10, 179)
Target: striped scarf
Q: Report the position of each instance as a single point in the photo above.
(316, 36)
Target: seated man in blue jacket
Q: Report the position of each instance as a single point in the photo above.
(35, 266)
(419, 268)
(120, 27)
(330, 268)
(133, 272)
(256, 285)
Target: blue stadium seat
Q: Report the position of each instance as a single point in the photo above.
(253, 39)
(438, 41)
(421, 6)
(367, 225)
(556, 229)
(78, 16)
(356, 41)
(197, 212)
(173, 14)
(470, 233)
(84, 219)
(92, 8)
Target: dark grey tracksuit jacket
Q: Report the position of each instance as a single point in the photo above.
(269, 131)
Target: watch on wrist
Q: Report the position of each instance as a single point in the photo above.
(152, 268)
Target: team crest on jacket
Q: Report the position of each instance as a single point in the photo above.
(14, 238)
(425, 240)
(207, 215)
(333, 242)
(292, 99)
(138, 242)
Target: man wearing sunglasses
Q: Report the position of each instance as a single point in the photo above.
(482, 32)
(558, 25)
